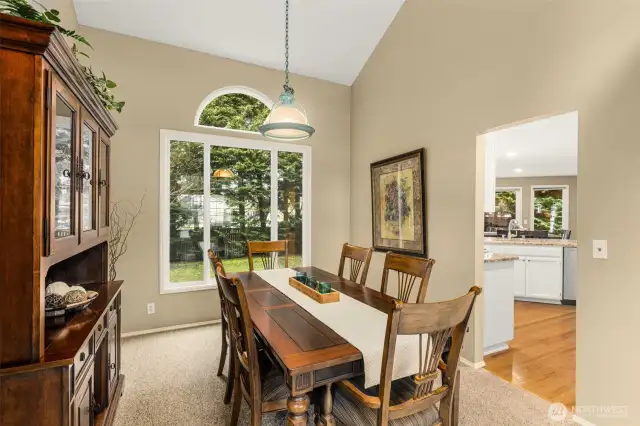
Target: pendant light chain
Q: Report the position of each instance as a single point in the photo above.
(287, 88)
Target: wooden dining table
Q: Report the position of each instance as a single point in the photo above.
(312, 355)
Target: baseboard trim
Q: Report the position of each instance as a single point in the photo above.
(171, 328)
(500, 347)
(579, 420)
(475, 365)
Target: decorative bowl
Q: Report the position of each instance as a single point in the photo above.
(72, 307)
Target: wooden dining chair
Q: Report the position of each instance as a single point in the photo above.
(261, 384)
(268, 252)
(224, 320)
(409, 269)
(359, 259)
(412, 400)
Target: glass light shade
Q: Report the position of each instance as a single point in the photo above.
(223, 173)
(287, 121)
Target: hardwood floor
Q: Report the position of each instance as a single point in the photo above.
(542, 355)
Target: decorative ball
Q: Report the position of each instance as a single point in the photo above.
(75, 296)
(54, 301)
(58, 288)
(79, 288)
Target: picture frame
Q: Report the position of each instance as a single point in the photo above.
(398, 204)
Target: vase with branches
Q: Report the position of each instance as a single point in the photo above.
(122, 219)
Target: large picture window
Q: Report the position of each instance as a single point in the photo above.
(218, 192)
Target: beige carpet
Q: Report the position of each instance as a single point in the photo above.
(171, 380)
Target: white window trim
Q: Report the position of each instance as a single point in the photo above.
(518, 191)
(565, 203)
(229, 91)
(166, 136)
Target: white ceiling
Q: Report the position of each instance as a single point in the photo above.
(329, 39)
(547, 147)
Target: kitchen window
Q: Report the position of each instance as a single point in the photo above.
(218, 192)
(550, 208)
(508, 206)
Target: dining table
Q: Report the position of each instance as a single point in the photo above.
(312, 355)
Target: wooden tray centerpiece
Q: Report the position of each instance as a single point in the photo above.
(332, 297)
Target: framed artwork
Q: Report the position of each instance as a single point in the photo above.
(398, 204)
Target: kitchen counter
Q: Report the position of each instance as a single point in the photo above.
(499, 257)
(532, 242)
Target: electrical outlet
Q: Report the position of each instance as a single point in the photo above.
(151, 308)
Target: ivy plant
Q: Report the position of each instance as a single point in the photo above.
(101, 84)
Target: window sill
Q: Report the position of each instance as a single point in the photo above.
(172, 288)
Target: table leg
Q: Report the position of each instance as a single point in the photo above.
(324, 416)
(297, 407)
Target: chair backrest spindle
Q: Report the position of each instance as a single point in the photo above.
(268, 252)
(410, 270)
(359, 260)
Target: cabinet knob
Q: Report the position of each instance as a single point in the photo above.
(112, 366)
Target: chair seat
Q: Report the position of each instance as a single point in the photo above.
(274, 387)
(350, 411)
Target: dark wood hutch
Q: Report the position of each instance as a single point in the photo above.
(54, 226)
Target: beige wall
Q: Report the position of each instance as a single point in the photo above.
(526, 183)
(449, 70)
(163, 86)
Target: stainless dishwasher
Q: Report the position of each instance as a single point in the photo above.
(570, 276)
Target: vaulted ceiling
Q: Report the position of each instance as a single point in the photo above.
(329, 39)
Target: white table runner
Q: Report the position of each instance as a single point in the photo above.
(359, 324)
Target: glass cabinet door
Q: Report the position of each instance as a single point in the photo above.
(64, 169)
(88, 204)
(103, 185)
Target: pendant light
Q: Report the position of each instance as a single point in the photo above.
(288, 119)
(223, 173)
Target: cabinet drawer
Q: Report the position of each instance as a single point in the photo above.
(101, 329)
(82, 358)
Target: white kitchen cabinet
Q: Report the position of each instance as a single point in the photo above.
(520, 278)
(538, 273)
(544, 278)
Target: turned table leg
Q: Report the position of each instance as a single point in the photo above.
(297, 407)
(324, 416)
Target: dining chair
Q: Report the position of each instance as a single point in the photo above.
(412, 400)
(409, 270)
(359, 259)
(268, 252)
(224, 320)
(261, 384)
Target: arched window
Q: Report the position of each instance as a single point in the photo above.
(234, 108)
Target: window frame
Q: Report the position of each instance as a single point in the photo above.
(565, 203)
(166, 136)
(230, 90)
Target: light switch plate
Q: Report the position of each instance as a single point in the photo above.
(600, 249)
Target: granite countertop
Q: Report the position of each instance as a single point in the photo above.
(498, 257)
(532, 242)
